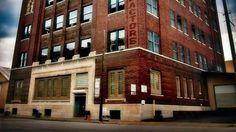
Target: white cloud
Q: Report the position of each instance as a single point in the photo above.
(7, 48)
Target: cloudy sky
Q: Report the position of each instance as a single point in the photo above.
(9, 15)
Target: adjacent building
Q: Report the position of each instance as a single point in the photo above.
(141, 58)
(4, 84)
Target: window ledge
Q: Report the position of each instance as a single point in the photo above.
(60, 2)
(157, 95)
(117, 12)
(84, 23)
(173, 27)
(48, 7)
(179, 97)
(152, 15)
(121, 99)
(186, 34)
(25, 39)
(57, 31)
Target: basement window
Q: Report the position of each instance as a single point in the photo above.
(69, 50)
(47, 112)
(116, 40)
(85, 47)
(56, 53)
(43, 55)
(116, 5)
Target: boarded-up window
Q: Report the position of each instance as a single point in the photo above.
(52, 88)
(191, 88)
(177, 78)
(185, 88)
(18, 90)
(155, 80)
(82, 81)
(116, 83)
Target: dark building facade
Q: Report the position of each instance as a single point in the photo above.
(142, 56)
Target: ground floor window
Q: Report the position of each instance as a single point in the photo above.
(116, 83)
(18, 90)
(53, 87)
(155, 80)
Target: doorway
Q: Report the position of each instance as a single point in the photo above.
(80, 101)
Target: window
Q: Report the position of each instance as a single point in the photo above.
(185, 88)
(172, 18)
(56, 50)
(65, 86)
(0, 89)
(185, 26)
(182, 53)
(87, 13)
(72, 19)
(188, 58)
(27, 31)
(69, 50)
(47, 26)
(175, 50)
(196, 58)
(85, 47)
(205, 64)
(52, 87)
(49, 2)
(191, 5)
(206, 18)
(178, 90)
(191, 88)
(116, 5)
(200, 61)
(116, 40)
(59, 22)
(155, 81)
(82, 81)
(18, 90)
(43, 55)
(116, 83)
(153, 42)
(30, 7)
(199, 87)
(179, 23)
(152, 7)
(194, 32)
(23, 59)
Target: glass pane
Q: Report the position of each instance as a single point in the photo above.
(56, 48)
(85, 43)
(70, 46)
(44, 52)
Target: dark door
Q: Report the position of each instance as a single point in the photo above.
(80, 105)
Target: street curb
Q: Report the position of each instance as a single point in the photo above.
(141, 123)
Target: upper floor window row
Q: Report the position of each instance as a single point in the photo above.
(71, 20)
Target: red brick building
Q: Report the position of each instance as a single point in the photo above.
(146, 56)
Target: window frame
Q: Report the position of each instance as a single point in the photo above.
(119, 42)
(154, 42)
(117, 92)
(118, 6)
(90, 14)
(155, 83)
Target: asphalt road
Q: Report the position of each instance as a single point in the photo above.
(28, 125)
